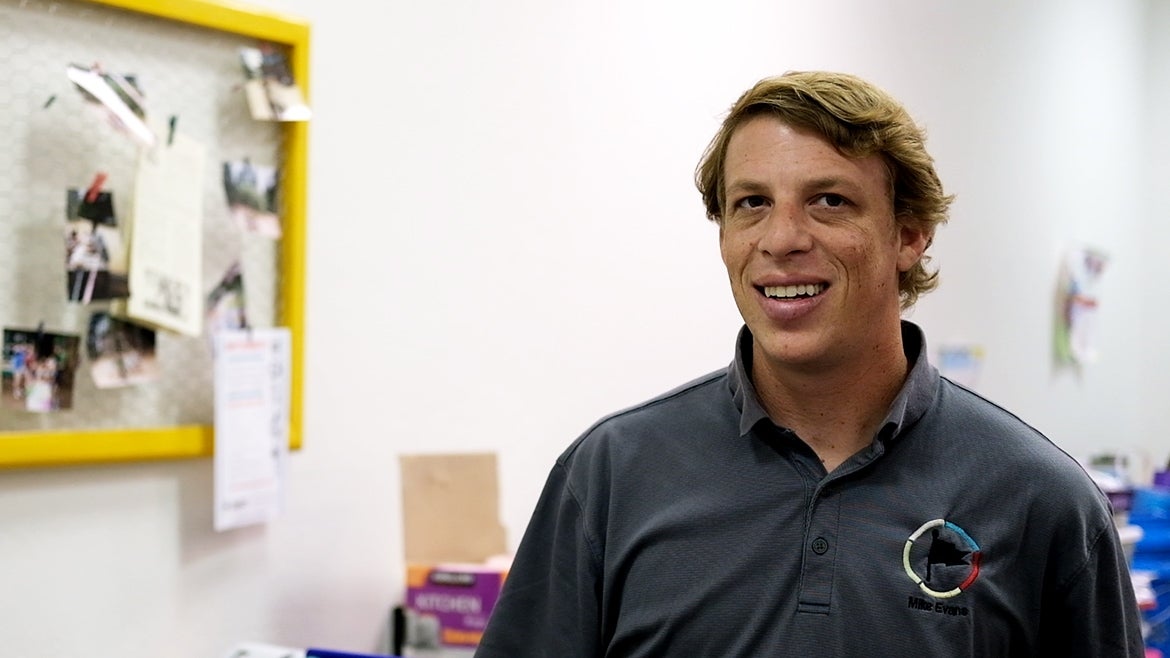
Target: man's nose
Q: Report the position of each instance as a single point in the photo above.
(785, 231)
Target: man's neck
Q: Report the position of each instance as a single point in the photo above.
(835, 409)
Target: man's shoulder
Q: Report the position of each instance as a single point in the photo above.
(692, 397)
(702, 398)
(963, 405)
(968, 418)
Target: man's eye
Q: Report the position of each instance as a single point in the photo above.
(752, 202)
(832, 200)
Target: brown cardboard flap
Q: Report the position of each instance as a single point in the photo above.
(451, 508)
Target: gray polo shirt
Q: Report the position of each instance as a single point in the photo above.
(692, 525)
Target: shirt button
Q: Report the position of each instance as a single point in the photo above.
(820, 546)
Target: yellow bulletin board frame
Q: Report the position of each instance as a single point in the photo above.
(81, 446)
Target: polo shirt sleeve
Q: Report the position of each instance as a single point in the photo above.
(550, 603)
(1094, 612)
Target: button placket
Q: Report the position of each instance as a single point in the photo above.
(818, 574)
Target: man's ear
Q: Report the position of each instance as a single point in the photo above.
(914, 242)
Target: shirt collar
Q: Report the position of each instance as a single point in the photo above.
(911, 403)
(742, 389)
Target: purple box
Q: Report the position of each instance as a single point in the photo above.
(447, 605)
(1122, 500)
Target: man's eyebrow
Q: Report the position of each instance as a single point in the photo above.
(829, 182)
(745, 185)
(812, 184)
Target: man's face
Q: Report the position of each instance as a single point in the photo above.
(811, 247)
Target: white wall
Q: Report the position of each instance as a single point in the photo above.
(1154, 233)
(505, 245)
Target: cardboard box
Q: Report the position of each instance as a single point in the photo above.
(455, 551)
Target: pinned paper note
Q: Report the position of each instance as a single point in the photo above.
(252, 389)
(166, 252)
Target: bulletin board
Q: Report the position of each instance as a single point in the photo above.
(184, 55)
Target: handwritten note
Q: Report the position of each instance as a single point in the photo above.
(166, 252)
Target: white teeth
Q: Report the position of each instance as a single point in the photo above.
(788, 292)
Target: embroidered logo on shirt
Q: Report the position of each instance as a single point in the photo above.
(941, 558)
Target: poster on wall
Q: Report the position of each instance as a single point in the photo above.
(1078, 301)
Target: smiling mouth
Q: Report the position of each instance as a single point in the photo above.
(794, 292)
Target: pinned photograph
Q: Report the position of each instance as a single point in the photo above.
(225, 303)
(271, 92)
(122, 353)
(95, 258)
(38, 370)
(117, 97)
(251, 197)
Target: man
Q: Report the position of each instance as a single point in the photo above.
(828, 493)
